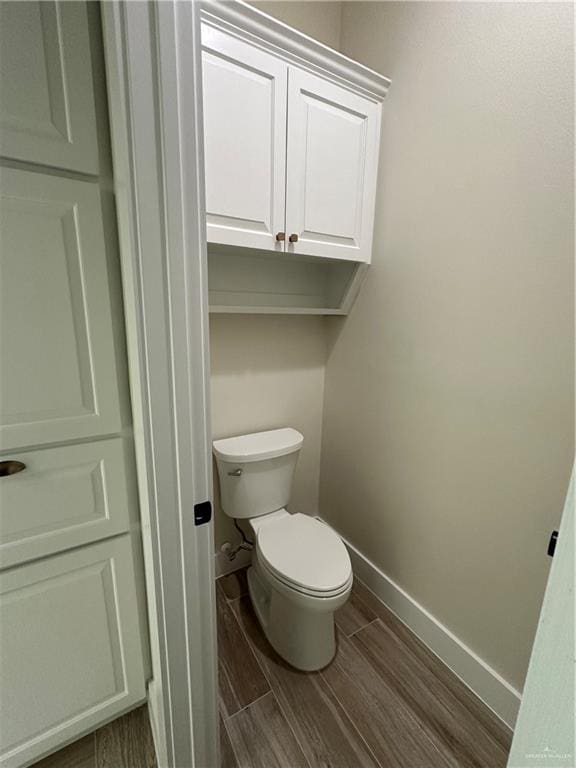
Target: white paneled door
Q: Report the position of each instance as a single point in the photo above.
(58, 376)
(71, 648)
(48, 113)
(72, 630)
(332, 163)
(545, 731)
(244, 142)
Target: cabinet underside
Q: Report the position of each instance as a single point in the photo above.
(243, 280)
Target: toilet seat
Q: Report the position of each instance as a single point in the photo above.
(304, 554)
(296, 589)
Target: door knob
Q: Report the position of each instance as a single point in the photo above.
(293, 238)
(11, 467)
(280, 236)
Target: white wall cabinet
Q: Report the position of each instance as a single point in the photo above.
(48, 112)
(291, 136)
(58, 378)
(71, 649)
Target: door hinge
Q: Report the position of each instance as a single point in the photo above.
(202, 513)
(552, 543)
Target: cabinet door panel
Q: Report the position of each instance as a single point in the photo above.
(71, 653)
(244, 142)
(332, 164)
(48, 111)
(65, 497)
(58, 377)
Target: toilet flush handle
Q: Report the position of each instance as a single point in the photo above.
(235, 473)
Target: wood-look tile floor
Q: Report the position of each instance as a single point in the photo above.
(124, 743)
(385, 701)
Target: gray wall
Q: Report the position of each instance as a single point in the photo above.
(268, 372)
(448, 409)
(318, 19)
(448, 418)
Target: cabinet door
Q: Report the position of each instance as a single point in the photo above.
(58, 377)
(244, 142)
(332, 163)
(48, 111)
(65, 497)
(71, 652)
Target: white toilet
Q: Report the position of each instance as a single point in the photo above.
(301, 572)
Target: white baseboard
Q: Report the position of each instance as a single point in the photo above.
(222, 565)
(502, 698)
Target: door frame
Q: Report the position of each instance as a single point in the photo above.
(153, 65)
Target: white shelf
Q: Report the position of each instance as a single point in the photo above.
(242, 280)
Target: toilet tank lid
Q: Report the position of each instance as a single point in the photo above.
(258, 446)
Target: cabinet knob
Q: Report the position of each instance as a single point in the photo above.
(11, 467)
(293, 238)
(280, 236)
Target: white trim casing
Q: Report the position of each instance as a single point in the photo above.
(154, 88)
(502, 698)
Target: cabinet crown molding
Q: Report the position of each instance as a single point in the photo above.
(246, 22)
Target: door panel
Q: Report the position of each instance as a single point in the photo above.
(65, 497)
(58, 379)
(71, 653)
(331, 168)
(244, 142)
(545, 725)
(48, 111)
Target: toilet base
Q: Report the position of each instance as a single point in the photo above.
(300, 628)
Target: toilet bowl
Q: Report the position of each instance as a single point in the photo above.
(300, 575)
(301, 571)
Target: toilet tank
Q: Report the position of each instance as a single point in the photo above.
(256, 471)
